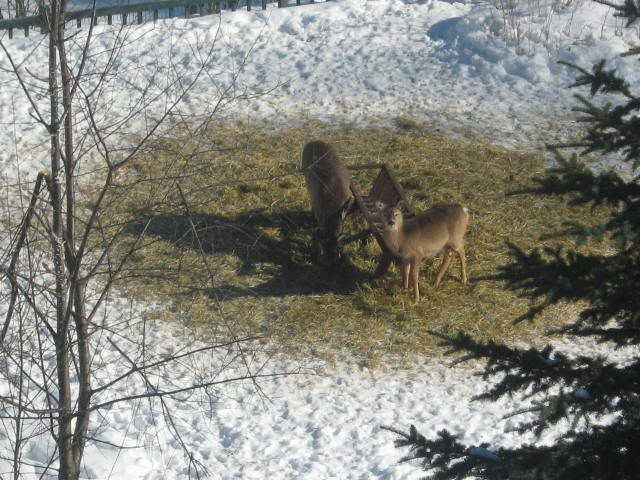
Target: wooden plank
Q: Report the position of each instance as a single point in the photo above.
(354, 238)
(384, 262)
(398, 188)
(378, 186)
(386, 258)
(367, 215)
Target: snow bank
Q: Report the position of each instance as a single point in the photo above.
(453, 65)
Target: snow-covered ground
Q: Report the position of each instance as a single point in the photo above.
(321, 422)
(445, 63)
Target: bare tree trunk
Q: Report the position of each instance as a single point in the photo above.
(67, 469)
(76, 299)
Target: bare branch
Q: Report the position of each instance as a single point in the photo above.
(16, 254)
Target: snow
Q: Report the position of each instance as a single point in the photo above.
(444, 63)
(457, 66)
(322, 421)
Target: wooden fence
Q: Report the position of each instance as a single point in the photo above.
(137, 13)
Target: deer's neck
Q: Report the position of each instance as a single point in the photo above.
(394, 239)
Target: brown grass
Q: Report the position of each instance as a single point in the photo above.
(249, 262)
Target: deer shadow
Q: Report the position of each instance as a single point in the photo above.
(276, 246)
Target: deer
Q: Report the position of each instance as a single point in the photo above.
(441, 227)
(328, 181)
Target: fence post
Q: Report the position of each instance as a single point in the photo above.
(298, 3)
(264, 4)
(124, 19)
(139, 17)
(155, 15)
(248, 5)
(78, 22)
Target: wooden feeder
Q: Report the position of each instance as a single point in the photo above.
(385, 192)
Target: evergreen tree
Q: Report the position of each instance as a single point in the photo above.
(583, 389)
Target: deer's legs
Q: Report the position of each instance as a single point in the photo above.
(463, 264)
(406, 268)
(414, 267)
(315, 245)
(443, 268)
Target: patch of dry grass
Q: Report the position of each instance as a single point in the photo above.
(242, 252)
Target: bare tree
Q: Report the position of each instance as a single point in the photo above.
(16, 9)
(60, 265)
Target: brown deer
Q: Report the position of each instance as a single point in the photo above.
(442, 227)
(328, 183)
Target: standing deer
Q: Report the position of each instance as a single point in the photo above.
(442, 227)
(328, 183)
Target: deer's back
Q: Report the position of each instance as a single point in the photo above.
(442, 225)
(327, 179)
